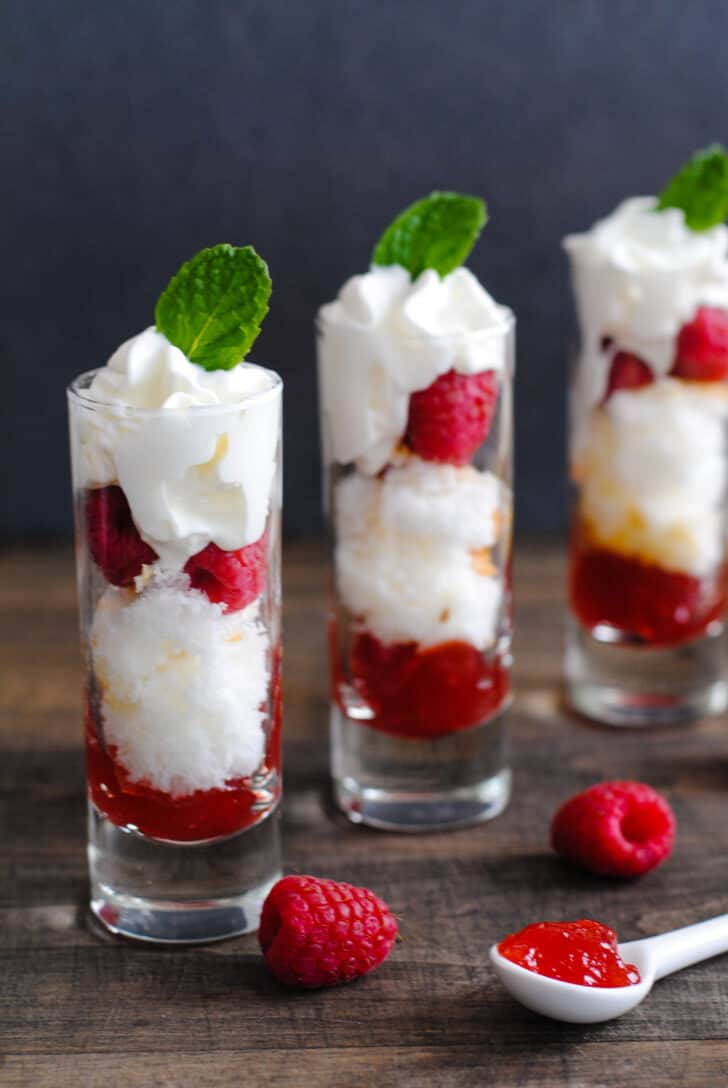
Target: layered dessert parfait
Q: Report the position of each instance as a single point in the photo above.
(648, 414)
(415, 364)
(175, 445)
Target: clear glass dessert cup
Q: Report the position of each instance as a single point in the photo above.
(420, 605)
(181, 655)
(647, 550)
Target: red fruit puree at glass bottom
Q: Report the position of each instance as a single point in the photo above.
(659, 606)
(423, 694)
(204, 814)
(583, 952)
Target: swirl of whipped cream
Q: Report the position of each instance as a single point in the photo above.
(193, 450)
(384, 338)
(638, 276)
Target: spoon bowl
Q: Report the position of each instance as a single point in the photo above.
(654, 957)
(566, 1000)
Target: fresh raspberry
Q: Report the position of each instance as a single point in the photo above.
(320, 932)
(615, 829)
(234, 579)
(114, 540)
(702, 347)
(452, 417)
(627, 372)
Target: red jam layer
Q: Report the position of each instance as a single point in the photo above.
(423, 694)
(582, 952)
(204, 814)
(658, 606)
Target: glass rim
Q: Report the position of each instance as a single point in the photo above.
(485, 332)
(76, 394)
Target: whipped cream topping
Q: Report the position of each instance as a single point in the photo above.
(638, 276)
(193, 450)
(412, 557)
(183, 685)
(652, 470)
(386, 337)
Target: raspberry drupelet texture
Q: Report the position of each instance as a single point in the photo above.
(317, 933)
(233, 579)
(450, 419)
(702, 347)
(114, 540)
(615, 829)
(627, 372)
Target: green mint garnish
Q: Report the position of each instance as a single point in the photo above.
(700, 189)
(437, 232)
(212, 309)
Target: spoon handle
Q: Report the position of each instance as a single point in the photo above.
(682, 947)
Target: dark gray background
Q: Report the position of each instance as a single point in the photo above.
(136, 132)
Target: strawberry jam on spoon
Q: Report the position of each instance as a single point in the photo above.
(583, 952)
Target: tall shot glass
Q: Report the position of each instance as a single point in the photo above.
(420, 606)
(648, 466)
(181, 654)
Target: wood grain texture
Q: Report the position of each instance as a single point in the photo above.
(78, 1008)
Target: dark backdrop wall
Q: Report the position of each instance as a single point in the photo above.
(135, 133)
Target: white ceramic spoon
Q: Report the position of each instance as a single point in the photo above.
(654, 958)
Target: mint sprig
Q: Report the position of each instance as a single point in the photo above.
(700, 189)
(212, 309)
(437, 232)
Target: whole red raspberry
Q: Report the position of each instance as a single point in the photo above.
(114, 540)
(452, 417)
(615, 829)
(320, 932)
(627, 372)
(234, 579)
(702, 347)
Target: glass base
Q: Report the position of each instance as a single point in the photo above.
(181, 893)
(419, 785)
(621, 683)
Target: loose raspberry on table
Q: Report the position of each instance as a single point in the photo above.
(114, 540)
(627, 372)
(317, 933)
(450, 419)
(615, 829)
(702, 347)
(234, 578)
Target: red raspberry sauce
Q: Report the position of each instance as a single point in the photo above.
(204, 814)
(582, 952)
(424, 694)
(659, 606)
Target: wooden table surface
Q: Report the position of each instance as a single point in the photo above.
(79, 1008)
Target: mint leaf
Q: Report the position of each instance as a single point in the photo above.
(212, 309)
(437, 232)
(700, 189)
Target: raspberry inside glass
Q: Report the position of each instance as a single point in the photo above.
(234, 578)
(114, 541)
(450, 419)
